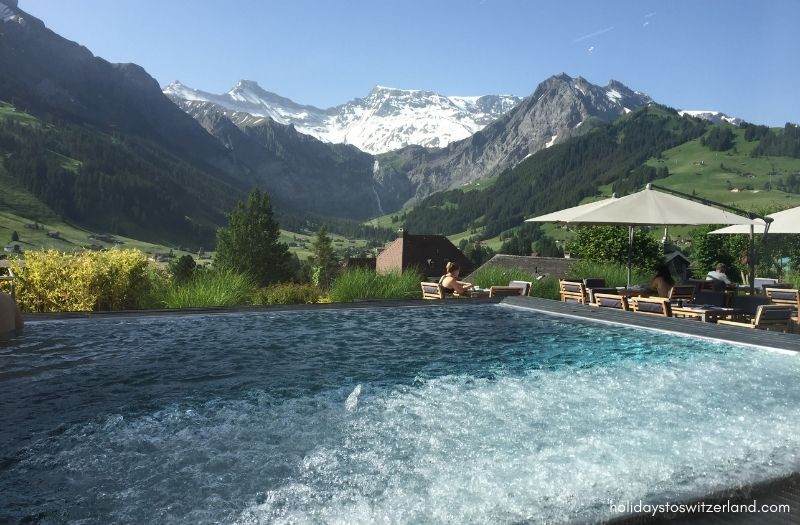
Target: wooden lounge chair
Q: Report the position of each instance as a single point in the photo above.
(682, 292)
(607, 300)
(525, 285)
(504, 291)
(786, 296)
(768, 317)
(432, 290)
(572, 291)
(652, 306)
(595, 282)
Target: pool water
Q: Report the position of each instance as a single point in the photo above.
(449, 414)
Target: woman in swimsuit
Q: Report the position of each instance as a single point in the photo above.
(450, 282)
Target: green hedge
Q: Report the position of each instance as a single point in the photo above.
(361, 284)
(287, 293)
(210, 288)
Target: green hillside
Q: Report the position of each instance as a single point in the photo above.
(107, 181)
(731, 177)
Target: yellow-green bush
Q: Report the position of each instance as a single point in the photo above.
(52, 281)
(287, 293)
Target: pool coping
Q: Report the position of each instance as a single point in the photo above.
(762, 339)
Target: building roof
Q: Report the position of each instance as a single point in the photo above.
(553, 266)
(428, 253)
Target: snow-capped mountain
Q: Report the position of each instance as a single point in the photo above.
(385, 120)
(713, 116)
(560, 107)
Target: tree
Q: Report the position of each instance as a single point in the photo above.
(250, 244)
(323, 261)
(14, 236)
(183, 268)
(610, 244)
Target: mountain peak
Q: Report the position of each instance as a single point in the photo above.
(248, 85)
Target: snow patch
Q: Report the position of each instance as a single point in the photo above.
(712, 116)
(552, 141)
(613, 95)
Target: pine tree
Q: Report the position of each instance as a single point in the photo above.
(250, 244)
(323, 259)
(14, 236)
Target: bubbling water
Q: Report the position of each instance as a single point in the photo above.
(548, 446)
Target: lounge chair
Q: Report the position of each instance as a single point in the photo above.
(525, 285)
(592, 293)
(595, 282)
(504, 291)
(607, 300)
(682, 292)
(652, 305)
(432, 290)
(760, 284)
(710, 298)
(572, 291)
(768, 316)
(786, 296)
(749, 304)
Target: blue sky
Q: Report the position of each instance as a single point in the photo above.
(733, 56)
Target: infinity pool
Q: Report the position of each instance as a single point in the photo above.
(448, 414)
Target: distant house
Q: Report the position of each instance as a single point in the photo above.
(678, 264)
(427, 253)
(13, 247)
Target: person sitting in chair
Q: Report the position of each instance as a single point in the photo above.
(662, 281)
(719, 275)
(450, 282)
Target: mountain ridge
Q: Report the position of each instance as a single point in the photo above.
(385, 119)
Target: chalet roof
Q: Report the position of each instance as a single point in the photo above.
(429, 253)
(676, 254)
(552, 266)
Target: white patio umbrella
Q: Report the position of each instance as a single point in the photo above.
(786, 221)
(645, 208)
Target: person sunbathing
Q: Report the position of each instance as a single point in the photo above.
(450, 282)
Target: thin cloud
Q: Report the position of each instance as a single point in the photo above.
(590, 35)
(646, 24)
(591, 49)
(649, 15)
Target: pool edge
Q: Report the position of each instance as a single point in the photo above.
(761, 339)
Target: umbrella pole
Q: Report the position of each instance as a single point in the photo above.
(751, 262)
(630, 249)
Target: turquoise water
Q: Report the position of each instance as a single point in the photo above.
(401, 415)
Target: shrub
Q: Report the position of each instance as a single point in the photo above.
(362, 284)
(793, 278)
(52, 281)
(610, 244)
(614, 274)
(496, 276)
(546, 288)
(222, 287)
(287, 293)
(183, 268)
